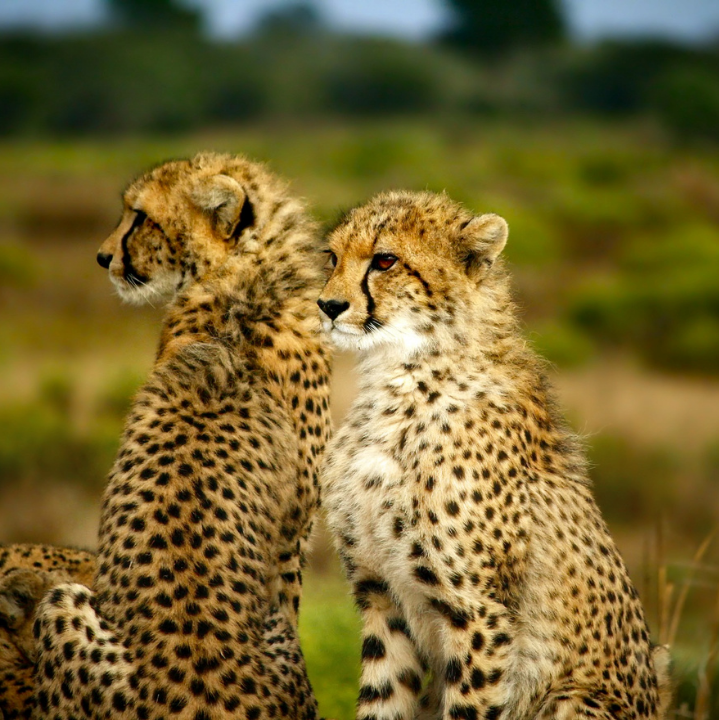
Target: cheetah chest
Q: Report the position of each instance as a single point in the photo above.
(366, 496)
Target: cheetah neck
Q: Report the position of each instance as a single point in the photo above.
(479, 346)
(267, 287)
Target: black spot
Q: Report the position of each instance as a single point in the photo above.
(119, 702)
(372, 648)
(426, 575)
(463, 712)
(411, 680)
(453, 672)
(396, 624)
(477, 679)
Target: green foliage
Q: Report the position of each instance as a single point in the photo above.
(155, 72)
(687, 100)
(41, 442)
(330, 635)
(154, 15)
(664, 302)
(563, 344)
(116, 397)
(297, 18)
(490, 28)
(378, 77)
(685, 674)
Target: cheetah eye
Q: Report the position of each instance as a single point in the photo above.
(383, 261)
(331, 258)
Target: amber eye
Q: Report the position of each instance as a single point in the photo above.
(383, 261)
(331, 258)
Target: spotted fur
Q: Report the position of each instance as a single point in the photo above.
(459, 500)
(193, 612)
(25, 573)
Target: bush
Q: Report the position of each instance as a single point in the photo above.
(664, 302)
(378, 77)
(687, 101)
(616, 77)
(39, 442)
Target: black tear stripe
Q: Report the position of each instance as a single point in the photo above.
(246, 220)
(415, 273)
(371, 323)
(128, 270)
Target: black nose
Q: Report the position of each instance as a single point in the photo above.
(104, 259)
(333, 308)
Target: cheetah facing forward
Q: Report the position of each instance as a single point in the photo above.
(196, 593)
(458, 499)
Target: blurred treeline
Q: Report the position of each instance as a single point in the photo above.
(151, 68)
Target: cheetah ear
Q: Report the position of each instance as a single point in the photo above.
(224, 200)
(484, 237)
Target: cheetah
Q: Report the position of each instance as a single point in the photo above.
(207, 509)
(26, 570)
(457, 497)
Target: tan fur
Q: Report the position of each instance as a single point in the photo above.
(25, 573)
(212, 495)
(458, 498)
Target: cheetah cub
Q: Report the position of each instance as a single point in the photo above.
(458, 499)
(193, 613)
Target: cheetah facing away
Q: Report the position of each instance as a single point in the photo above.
(213, 491)
(458, 499)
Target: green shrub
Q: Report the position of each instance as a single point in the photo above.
(379, 77)
(41, 442)
(562, 344)
(687, 101)
(663, 302)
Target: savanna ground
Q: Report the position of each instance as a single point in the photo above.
(614, 245)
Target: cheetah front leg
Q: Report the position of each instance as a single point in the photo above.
(391, 668)
(475, 650)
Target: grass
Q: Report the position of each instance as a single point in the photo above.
(330, 636)
(695, 698)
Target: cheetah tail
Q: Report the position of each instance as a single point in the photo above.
(662, 660)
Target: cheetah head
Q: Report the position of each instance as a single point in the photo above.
(180, 221)
(404, 268)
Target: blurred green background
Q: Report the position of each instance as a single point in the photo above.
(603, 157)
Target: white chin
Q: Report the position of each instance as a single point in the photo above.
(344, 340)
(395, 340)
(137, 293)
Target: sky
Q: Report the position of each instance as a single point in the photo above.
(684, 20)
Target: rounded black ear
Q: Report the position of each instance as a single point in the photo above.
(223, 198)
(483, 239)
